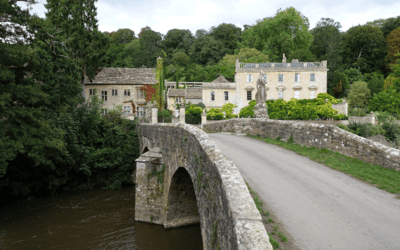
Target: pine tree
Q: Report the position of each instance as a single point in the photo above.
(76, 19)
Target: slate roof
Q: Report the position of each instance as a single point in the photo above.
(124, 76)
(176, 92)
(220, 79)
(194, 93)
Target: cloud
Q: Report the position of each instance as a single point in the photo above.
(164, 15)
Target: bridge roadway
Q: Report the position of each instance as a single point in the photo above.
(319, 207)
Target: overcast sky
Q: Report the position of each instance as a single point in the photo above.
(164, 15)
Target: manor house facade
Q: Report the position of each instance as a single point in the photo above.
(300, 80)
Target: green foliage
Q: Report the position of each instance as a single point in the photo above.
(364, 129)
(359, 94)
(326, 39)
(375, 83)
(357, 112)
(339, 78)
(387, 100)
(228, 34)
(392, 128)
(177, 40)
(218, 114)
(122, 36)
(393, 42)
(286, 32)
(353, 75)
(364, 47)
(165, 115)
(207, 50)
(248, 111)
(291, 139)
(193, 114)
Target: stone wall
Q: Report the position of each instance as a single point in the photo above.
(198, 185)
(369, 118)
(342, 108)
(314, 135)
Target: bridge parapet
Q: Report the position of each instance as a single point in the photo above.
(314, 135)
(183, 171)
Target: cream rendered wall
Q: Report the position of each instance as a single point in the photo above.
(171, 101)
(288, 83)
(219, 97)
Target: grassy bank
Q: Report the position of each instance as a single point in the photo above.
(381, 177)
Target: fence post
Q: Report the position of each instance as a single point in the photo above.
(182, 115)
(203, 118)
(154, 114)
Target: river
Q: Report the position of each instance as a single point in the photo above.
(93, 219)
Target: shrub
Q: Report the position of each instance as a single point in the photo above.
(392, 128)
(387, 100)
(365, 129)
(359, 94)
(193, 114)
(248, 111)
(215, 114)
(340, 117)
(344, 127)
(357, 112)
(165, 116)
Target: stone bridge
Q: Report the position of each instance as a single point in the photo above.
(182, 178)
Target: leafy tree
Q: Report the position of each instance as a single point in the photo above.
(385, 101)
(122, 36)
(364, 48)
(177, 40)
(393, 42)
(395, 75)
(200, 33)
(353, 75)
(207, 50)
(284, 33)
(389, 82)
(359, 94)
(143, 30)
(389, 25)
(76, 19)
(326, 40)
(150, 49)
(228, 34)
(375, 82)
(339, 85)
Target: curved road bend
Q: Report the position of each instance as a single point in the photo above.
(319, 207)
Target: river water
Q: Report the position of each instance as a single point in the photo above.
(95, 219)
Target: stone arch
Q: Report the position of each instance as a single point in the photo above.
(182, 205)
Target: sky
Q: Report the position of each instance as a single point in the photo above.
(164, 15)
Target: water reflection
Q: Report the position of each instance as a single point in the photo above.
(88, 220)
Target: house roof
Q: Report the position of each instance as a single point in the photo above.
(176, 92)
(194, 93)
(124, 76)
(220, 79)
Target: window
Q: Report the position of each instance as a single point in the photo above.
(265, 78)
(141, 111)
(312, 95)
(92, 91)
(226, 94)
(127, 92)
(178, 99)
(127, 109)
(312, 77)
(140, 94)
(212, 96)
(297, 94)
(104, 95)
(114, 92)
(249, 95)
(280, 77)
(280, 94)
(297, 77)
(249, 78)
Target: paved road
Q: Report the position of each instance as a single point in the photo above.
(321, 208)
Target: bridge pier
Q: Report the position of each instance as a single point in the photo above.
(157, 201)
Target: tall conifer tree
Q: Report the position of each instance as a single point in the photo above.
(76, 19)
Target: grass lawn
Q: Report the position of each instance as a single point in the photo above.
(383, 178)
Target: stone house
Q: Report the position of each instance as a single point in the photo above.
(218, 93)
(129, 87)
(175, 96)
(300, 80)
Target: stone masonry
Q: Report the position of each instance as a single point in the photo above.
(183, 178)
(314, 135)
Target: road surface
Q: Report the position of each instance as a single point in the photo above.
(319, 207)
